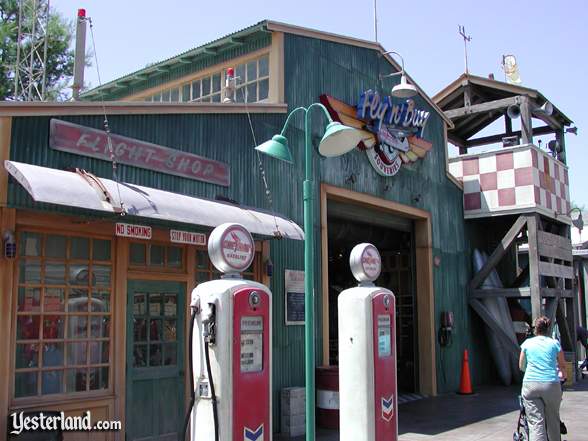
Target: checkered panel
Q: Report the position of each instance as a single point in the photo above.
(511, 179)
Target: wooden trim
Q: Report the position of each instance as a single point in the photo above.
(500, 292)
(276, 69)
(42, 108)
(5, 139)
(216, 68)
(425, 296)
(452, 178)
(533, 223)
(190, 285)
(7, 222)
(120, 328)
(483, 107)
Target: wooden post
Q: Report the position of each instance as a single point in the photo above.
(559, 137)
(526, 121)
(536, 308)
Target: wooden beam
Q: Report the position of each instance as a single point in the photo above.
(507, 124)
(237, 41)
(526, 121)
(536, 308)
(554, 252)
(554, 240)
(521, 278)
(555, 270)
(553, 292)
(483, 107)
(498, 253)
(568, 343)
(467, 96)
(501, 292)
(490, 321)
(209, 51)
(483, 140)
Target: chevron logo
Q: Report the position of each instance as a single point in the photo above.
(253, 435)
(388, 408)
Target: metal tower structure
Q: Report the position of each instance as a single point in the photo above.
(31, 52)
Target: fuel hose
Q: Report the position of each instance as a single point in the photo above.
(191, 368)
(212, 393)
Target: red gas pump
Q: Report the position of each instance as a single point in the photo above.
(231, 346)
(368, 399)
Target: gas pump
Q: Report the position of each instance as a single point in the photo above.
(231, 346)
(367, 353)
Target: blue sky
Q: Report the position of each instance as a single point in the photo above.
(548, 38)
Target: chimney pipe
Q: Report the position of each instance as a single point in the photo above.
(80, 54)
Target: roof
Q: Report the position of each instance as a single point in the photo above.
(239, 38)
(485, 90)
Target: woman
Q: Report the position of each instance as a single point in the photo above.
(540, 357)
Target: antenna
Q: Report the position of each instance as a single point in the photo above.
(466, 40)
(376, 19)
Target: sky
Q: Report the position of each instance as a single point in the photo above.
(548, 38)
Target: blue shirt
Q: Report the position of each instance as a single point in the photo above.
(541, 355)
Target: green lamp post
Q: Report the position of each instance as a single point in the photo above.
(337, 140)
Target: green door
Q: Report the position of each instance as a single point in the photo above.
(155, 360)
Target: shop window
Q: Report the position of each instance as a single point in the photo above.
(156, 256)
(63, 315)
(206, 271)
(252, 80)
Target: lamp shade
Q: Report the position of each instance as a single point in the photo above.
(339, 139)
(404, 90)
(277, 147)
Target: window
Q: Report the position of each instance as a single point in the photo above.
(156, 257)
(206, 271)
(252, 80)
(63, 315)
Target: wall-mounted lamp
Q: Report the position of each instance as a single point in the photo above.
(9, 244)
(573, 130)
(578, 222)
(404, 89)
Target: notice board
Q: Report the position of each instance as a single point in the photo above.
(294, 302)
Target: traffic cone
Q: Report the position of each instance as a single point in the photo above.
(465, 385)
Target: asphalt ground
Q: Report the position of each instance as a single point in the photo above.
(491, 413)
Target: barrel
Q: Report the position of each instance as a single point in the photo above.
(327, 397)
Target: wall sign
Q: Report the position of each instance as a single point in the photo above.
(72, 138)
(231, 248)
(393, 130)
(294, 289)
(134, 231)
(179, 236)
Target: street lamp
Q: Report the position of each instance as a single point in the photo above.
(404, 89)
(337, 140)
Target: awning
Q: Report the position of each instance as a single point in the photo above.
(83, 190)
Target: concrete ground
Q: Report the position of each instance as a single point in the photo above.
(490, 414)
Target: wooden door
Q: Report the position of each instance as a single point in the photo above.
(155, 360)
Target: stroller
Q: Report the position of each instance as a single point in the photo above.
(522, 432)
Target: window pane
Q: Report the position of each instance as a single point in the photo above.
(78, 300)
(79, 275)
(140, 356)
(170, 305)
(155, 304)
(77, 326)
(80, 248)
(27, 327)
(216, 82)
(240, 74)
(30, 271)
(29, 299)
(205, 100)
(170, 354)
(263, 66)
(100, 301)
(101, 249)
(53, 326)
(157, 97)
(251, 93)
(205, 86)
(156, 255)
(55, 246)
(216, 98)
(169, 330)
(101, 275)
(100, 326)
(99, 352)
(52, 382)
(75, 380)
(139, 330)
(165, 96)
(175, 257)
(139, 306)
(98, 378)
(27, 356)
(263, 89)
(30, 244)
(54, 300)
(138, 253)
(202, 257)
(55, 273)
(155, 330)
(76, 353)
(240, 95)
(251, 71)
(53, 354)
(25, 384)
(186, 92)
(175, 95)
(196, 89)
(155, 355)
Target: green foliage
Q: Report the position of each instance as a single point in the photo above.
(60, 56)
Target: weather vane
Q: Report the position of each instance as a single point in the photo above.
(466, 40)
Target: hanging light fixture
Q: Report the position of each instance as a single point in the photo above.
(403, 89)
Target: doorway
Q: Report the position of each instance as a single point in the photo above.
(155, 360)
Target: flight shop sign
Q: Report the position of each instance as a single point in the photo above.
(392, 130)
(80, 140)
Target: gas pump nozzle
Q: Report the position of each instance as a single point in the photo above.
(209, 323)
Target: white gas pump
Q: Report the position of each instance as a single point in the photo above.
(367, 353)
(231, 346)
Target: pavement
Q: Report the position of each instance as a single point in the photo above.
(491, 413)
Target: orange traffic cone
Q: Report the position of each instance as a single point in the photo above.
(465, 385)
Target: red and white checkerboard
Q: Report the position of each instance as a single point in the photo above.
(511, 179)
